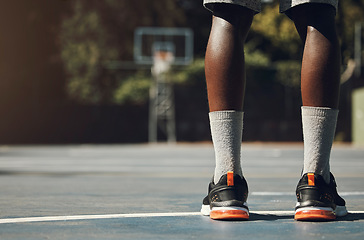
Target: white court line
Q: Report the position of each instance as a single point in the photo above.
(131, 215)
(90, 217)
(143, 215)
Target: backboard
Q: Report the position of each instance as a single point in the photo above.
(176, 41)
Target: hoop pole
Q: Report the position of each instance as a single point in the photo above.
(161, 106)
(358, 48)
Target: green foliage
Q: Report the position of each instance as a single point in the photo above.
(255, 57)
(350, 12)
(288, 73)
(134, 89)
(192, 73)
(84, 47)
(274, 34)
(99, 31)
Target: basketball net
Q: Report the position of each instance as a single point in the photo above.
(162, 61)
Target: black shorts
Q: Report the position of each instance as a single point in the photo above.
(256, 4)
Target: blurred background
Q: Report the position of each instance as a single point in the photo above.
(67, 72)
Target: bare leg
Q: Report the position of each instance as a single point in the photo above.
(224, 61)
(320, 76)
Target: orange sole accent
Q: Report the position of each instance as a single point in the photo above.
(314, 215)
(229, 215)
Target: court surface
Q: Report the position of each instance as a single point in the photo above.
(155, 192)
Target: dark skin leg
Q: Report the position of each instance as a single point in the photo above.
(320, 75)
(224, 60)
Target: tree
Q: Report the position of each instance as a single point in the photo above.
(349, 13)
(99, 31)
(274, 34)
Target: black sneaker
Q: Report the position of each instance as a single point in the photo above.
(317, 200)
(227, 198)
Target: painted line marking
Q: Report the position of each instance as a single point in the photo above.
(91, 217)
(131, 215)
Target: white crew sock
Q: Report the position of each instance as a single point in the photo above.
(226, 131)
(319, 124)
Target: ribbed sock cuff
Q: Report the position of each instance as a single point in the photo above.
(319, 112)
(226, 115)
(226, 132)
(319, 124)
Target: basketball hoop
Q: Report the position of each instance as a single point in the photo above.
(162, 61)
(162, 48)
(148, 40)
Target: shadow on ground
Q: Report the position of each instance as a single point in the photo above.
(273, 217)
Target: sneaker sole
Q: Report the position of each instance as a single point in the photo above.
(314, 214)
(229, 213)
